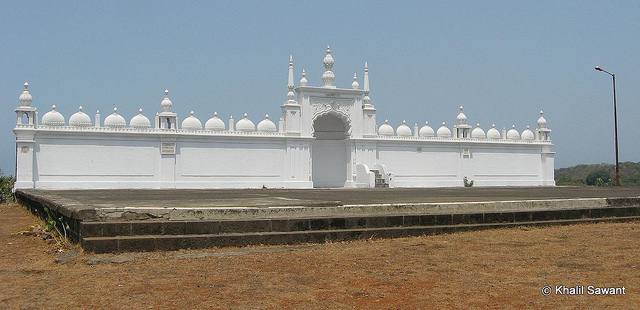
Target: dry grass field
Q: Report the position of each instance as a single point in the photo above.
(503, 268)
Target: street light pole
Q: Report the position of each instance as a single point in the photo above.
(615, 121)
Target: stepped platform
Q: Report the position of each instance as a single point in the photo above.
(144, 220)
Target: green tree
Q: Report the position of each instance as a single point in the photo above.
(598, 178)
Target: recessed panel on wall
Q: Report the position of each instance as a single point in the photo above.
(98, 159)
(502, 162)
(419, 161)
(230, 159)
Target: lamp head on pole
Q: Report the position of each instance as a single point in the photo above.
(598, 68)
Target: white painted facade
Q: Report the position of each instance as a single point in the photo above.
(326, 137)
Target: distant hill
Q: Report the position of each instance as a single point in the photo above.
(577, 175)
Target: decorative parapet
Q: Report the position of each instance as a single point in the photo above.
(155, 131)
(455, 140)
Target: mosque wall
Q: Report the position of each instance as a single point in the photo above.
(440, 164)
(80, 161)
(335, 125)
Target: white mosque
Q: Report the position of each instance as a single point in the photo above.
(326, 137)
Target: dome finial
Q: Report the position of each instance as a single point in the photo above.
(80, 108)
(303, 79)
(166, 103)
(25, 97)
(355, 84)
(328, 77)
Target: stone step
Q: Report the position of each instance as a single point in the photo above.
(193, 241)
(166, 227)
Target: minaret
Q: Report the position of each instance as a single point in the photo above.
(291, 108)
(97, 119)
(543, 132)
(328, 77)
(290, 94)
(24, 109)
(167, 119)
(366, 100)
(368, 110)
(25, 141)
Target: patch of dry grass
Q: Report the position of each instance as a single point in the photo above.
(492, 268)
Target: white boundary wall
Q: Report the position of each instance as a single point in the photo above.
(63, 157)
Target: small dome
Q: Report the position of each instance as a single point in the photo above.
(542, 122)
(166, 103)
(527, 134)
(245, 124)
(461, 118)
(53, 118)
(328, 58)
(386, 129)
(191, 123)
(25, 98)
(115, 120)
(80, 119)
(426, 131)
(214, 123)
(493, 133)
(355, 84)
(303, 79)
(478, 133)
(267, 125)
(403, 130)
(140, 121)
(444, 131)
(513, 134)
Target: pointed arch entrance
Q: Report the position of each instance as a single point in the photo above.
(329, 156)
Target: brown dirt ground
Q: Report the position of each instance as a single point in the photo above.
(503, 268)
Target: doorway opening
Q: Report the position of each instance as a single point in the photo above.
(329, 156)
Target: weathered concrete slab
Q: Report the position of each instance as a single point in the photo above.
(107, 205)
(143, 220)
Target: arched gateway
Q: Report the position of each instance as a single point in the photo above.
(330, 155)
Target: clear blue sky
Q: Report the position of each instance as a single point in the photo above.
(502, 60)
